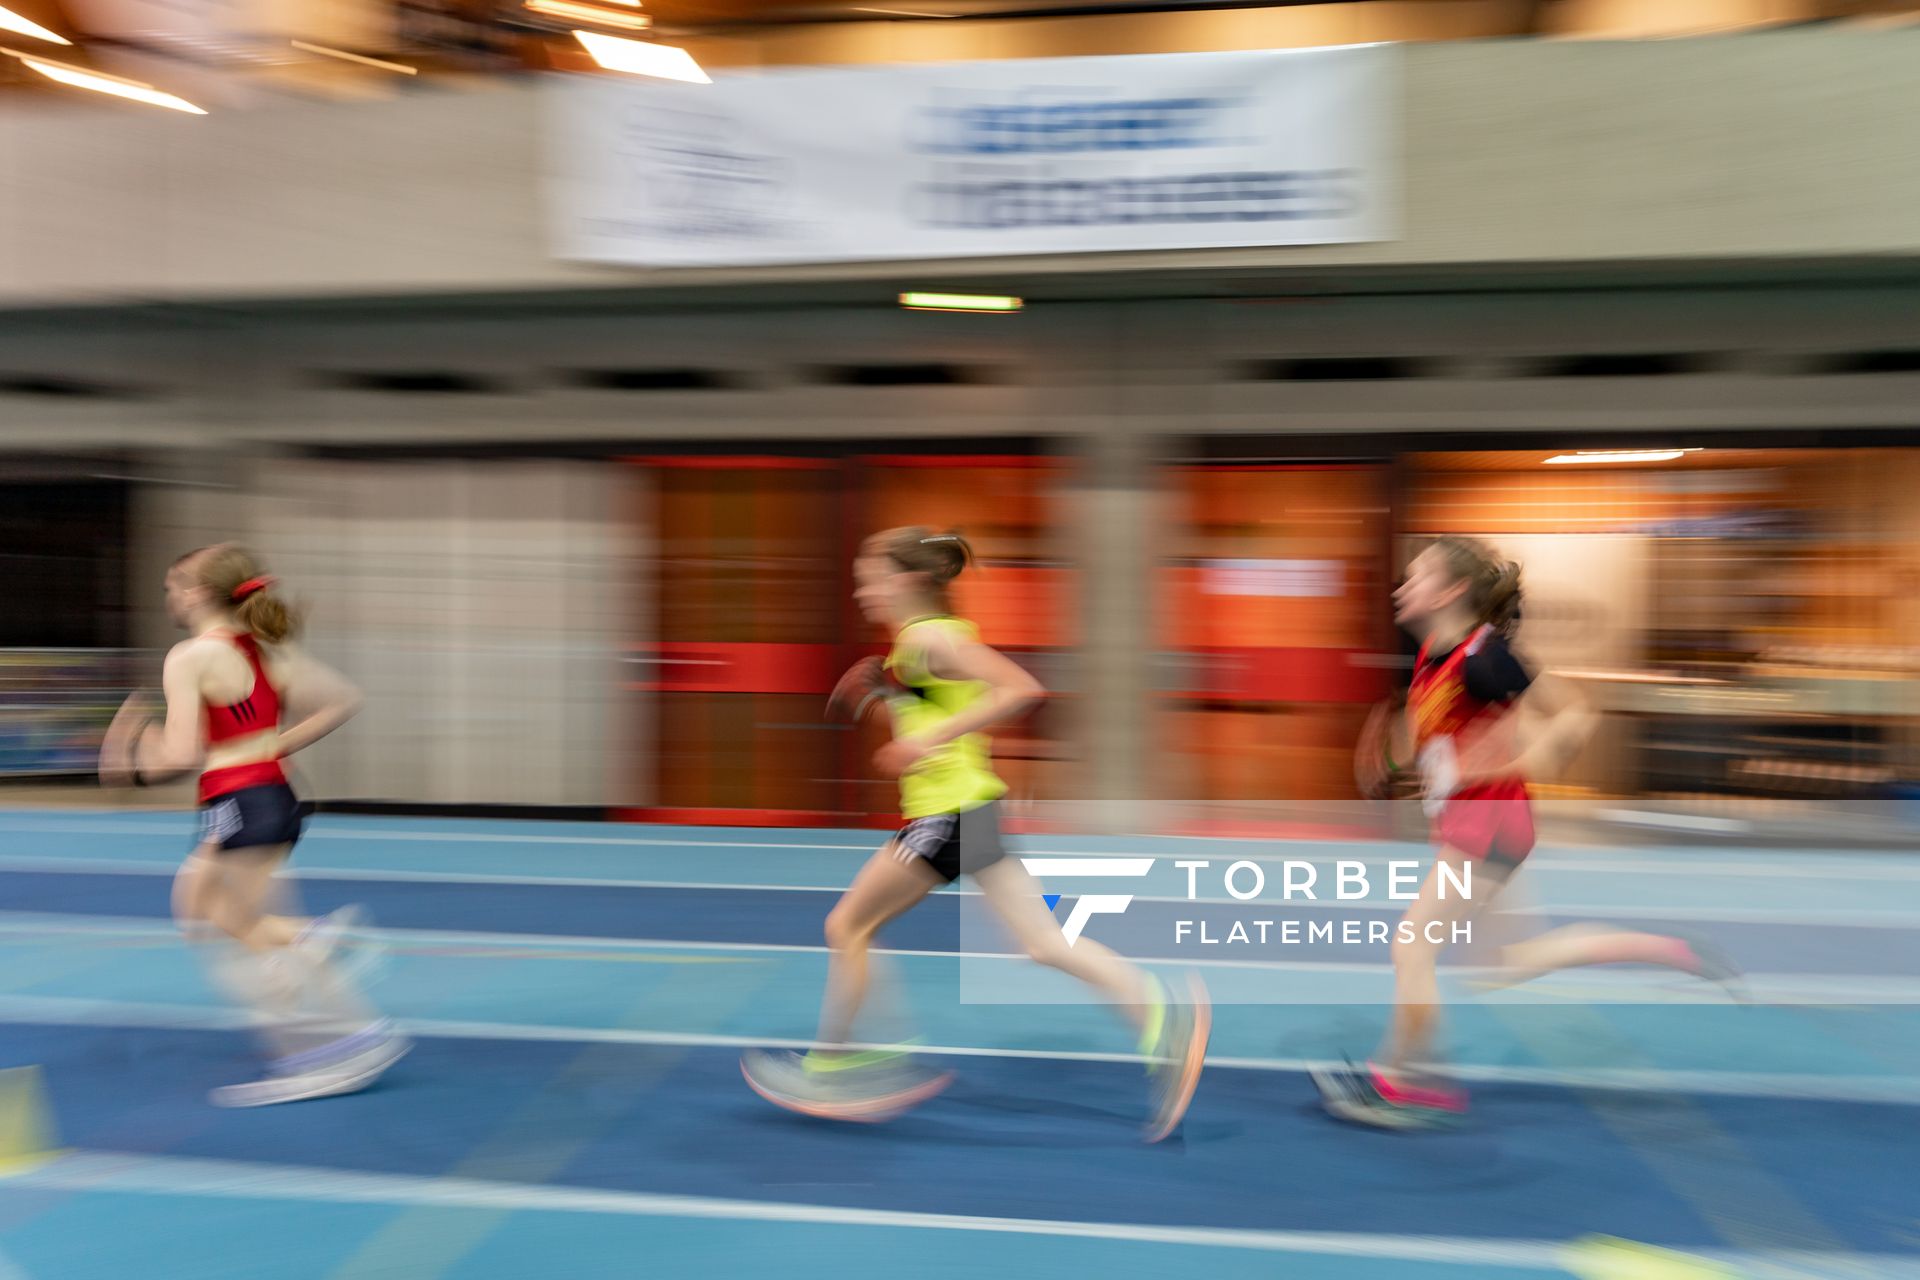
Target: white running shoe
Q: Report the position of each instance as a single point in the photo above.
(348, 1075)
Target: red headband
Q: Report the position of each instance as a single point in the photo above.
(251, 585)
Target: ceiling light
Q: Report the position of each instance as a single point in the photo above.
(1621, 455)
(93, 80)
(11, 21)
(639, 58)
(959, 302)
(573, 12)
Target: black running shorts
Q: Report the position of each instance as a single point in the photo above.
(253, 818)
(954, 844)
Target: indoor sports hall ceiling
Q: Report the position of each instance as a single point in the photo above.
(234, 53)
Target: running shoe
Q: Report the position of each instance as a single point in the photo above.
(368, 1056)
(1365, 1096)
(1177, 1056)
(865, 1087)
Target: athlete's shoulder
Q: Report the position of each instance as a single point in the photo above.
(185, 670)
(1493, 672)
(938, 632)
(194, 650)
(939, 622)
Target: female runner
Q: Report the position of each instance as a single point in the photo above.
(942, 689)
(1463, 603)
(227, 687)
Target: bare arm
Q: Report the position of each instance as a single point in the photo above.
(122, 739)
(1557, 724)
(1569, 725)
(1400, 739)
(1011, 688)
(323, 698)
(172, 748)
(1010, 691)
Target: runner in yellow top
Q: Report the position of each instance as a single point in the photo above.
(957, 776)
(943, 689)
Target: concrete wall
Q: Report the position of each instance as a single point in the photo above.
(1749, 358)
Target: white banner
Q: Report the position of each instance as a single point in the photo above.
(985, 159)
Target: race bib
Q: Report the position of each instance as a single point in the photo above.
(1439, 775)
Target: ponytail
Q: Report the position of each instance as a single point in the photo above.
(233, 574)
(1493, 585)
(268, 617)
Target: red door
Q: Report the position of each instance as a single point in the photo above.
(747, 580)
(1273, 601)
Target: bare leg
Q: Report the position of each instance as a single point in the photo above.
(1519, 947)
(308, 1003)
(1173, 1037)
(1015, 898)
(886, 888)
(244, 887)
(1416, 961)
(193, 890)
(1575, 945)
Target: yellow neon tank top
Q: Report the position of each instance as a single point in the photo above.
(955, 777)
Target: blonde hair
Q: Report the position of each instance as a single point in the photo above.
(1493, 584)
(918, 549)
(238, 579)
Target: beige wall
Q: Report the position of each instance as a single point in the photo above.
(482, 607)
(1793, 145)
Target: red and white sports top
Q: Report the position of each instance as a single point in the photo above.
(258, 712)
(1476, 682)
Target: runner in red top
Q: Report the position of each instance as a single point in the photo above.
(227, 689)
(1461, 725)
(1457, 696)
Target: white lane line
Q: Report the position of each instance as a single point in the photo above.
(1889, 1090)
(185, 830)
(1631, 986)
(137, 867)
(1863, 918)
(32, 923)
(183, 1176)
(1793, 864)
